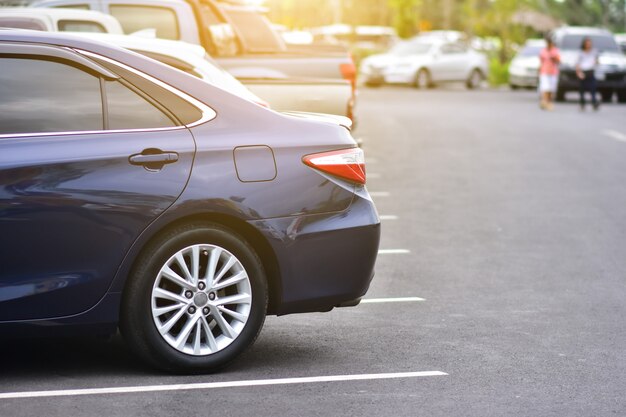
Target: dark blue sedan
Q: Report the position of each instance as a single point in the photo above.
(135, 196)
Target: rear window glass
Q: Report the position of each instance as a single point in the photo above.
(19, 23)
(600, 42)
(73, 6)
(135, 18)
(531, 51)
(80, 26)
(256, 31)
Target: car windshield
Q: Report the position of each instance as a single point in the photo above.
(411, 48)
(529, 50)
(602, 43)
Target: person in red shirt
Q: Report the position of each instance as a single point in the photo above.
(550, 58)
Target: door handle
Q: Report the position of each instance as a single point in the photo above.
(153, 159)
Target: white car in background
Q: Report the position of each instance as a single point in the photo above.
(620, 38)
(426, 61)
(524, 68)
(184, 56)
(59, 20)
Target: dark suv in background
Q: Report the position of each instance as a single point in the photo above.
(611, 73)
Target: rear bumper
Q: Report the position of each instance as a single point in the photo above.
(325, 260)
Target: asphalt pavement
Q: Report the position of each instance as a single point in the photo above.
(504, 225)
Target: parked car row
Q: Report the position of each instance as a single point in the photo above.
(425, 61)
(610, 74)
(238, 37)
(144, 188)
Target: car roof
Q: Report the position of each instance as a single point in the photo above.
(53, 16)
(183, 51)
(56, 13)
(581, 30)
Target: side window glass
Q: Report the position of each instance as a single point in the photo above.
(136, 18)
(184, 111)
(80, 26)
(47, 96)
(129, 110)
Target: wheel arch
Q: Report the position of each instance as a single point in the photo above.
(258, 242)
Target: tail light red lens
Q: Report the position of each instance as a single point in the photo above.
(348, 164)
(348, 72)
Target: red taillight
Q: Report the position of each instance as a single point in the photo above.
(348, 164)
(348, 72)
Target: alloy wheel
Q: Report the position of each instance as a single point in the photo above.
(201, 299)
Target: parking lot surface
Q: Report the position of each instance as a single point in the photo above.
(500, 285)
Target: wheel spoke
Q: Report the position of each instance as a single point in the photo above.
(159, 311)
(231, 281)
(237, 316)
(167, 295)
(180, 260)
(234, 299)
(195, 264)
(167, 326)
(229, 264)
(226, 328)
(181, 339)
(209, 335)
(213, 259)
(168, 273)
(197, 338)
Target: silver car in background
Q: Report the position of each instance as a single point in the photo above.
(524, 69)
(425, 62)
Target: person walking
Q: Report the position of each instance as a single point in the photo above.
(550, 58)
(588, 60)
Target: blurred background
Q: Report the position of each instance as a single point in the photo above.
(498, 27)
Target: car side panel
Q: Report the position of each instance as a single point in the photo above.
(70, 208)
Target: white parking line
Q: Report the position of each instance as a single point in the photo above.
(379, 193)
(388, 217)
(213, 385)
(391, 300)
(614, 134)
(393, 251)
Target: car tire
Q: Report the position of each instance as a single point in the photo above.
(560, 95)
(514, 87)
(621, 96)
(217, 256)
(475, 79)
(422, 79)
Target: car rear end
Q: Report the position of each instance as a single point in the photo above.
(303, 178)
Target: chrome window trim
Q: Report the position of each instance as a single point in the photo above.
(207, 112)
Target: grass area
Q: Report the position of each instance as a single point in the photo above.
(498, 72)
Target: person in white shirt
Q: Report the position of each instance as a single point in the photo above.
(585, 70)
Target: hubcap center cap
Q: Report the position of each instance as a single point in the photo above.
(200, 299)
